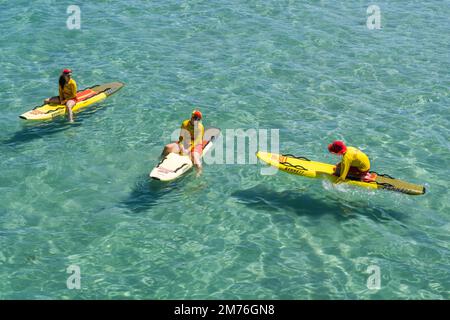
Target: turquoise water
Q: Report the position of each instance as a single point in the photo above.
(79, 194)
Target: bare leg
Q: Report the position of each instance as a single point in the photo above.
(69, 105)
(197, 163)
(171, 147)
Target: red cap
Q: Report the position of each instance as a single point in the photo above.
(65, 71)
(197, 114)
(337, 147)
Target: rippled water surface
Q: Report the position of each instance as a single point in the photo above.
(78, 194)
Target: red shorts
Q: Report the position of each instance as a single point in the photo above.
(198, 149)
(353, 172)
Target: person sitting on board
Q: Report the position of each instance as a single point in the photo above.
(190, 141)
(355, 164)
(67, 92)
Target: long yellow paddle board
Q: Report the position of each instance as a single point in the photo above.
(304, 167)
(85, 98)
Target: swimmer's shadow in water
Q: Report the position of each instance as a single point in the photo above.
(262, 198)
(35, 131)
(148, 193)
(41, 129)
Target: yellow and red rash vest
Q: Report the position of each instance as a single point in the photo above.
(190, 134)
(354, 158)
(69, 91)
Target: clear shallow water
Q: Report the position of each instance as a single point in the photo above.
(78, 194)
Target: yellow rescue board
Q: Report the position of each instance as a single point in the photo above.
(312, 169)
(86, 97)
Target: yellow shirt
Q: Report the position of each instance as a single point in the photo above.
(191, 134)
(354, 158)
(69, 91)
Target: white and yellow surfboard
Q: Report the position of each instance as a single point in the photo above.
(85, 98)
(175, 165)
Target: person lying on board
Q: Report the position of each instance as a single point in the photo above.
(355, 164)
(190, 141)
(67, 92)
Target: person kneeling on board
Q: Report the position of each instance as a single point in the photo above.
(190, 141)
(67, 92)
(355, 164)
